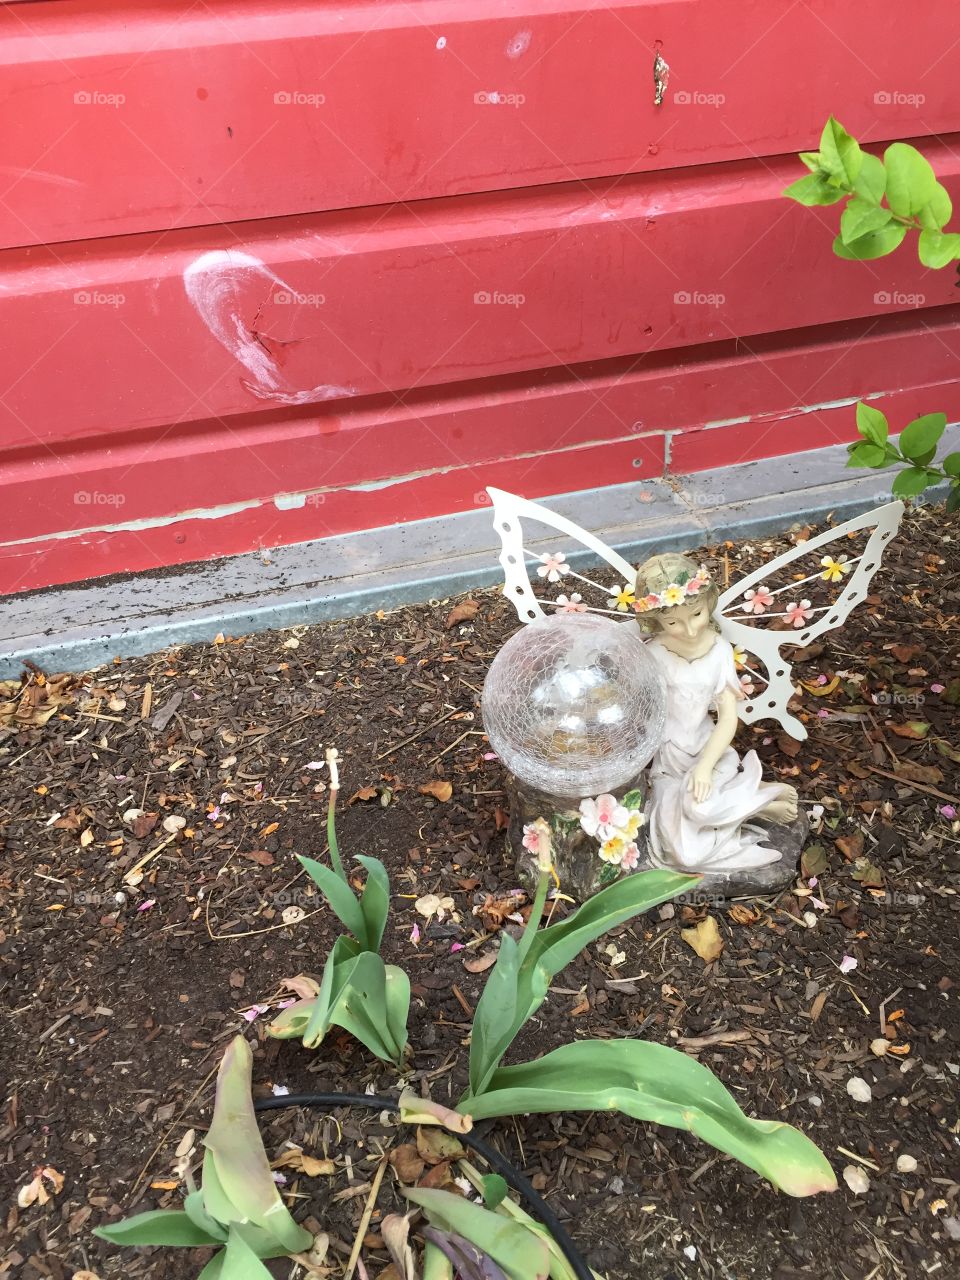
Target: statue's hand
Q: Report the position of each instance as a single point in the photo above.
(700, 783)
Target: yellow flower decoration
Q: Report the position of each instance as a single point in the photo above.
(739, 657)
(622, 599)
(612, 850)
(833, 570)
(673, 594)
(632, 826)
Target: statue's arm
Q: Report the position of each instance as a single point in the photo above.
(701, 779)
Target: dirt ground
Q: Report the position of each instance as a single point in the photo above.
(119, 998)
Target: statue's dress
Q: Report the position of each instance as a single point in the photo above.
(715, 834)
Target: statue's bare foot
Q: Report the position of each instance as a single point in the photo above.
(782, 810)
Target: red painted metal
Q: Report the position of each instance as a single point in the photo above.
(157, 116)
(234, 342)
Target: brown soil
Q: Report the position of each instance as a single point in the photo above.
(117, 1013)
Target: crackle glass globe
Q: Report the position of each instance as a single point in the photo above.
(573, 704)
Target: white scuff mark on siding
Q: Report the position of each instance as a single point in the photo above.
(795, 411)
(518, 45)
(137, 526)
(442, 42)
(213, 283)
(40, 175)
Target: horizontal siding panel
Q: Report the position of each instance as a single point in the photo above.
(233, 487)
(134, 333)
(127, 118)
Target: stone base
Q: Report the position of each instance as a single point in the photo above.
(787, 839)
(576, 858)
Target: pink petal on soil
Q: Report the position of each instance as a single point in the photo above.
(937, 688)
(456, 946)
(847, 964)
(490, 755)
(145, 906)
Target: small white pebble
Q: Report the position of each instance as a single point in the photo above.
(690, 1252)
(906, 1164)
(856, 1179)
(880, 1046)
(858, 1089)
(815, 1101)
(810, 919)
(119, 899)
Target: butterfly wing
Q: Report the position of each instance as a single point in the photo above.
(516, 519)
(765, 629)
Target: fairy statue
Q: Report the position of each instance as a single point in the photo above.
(721, 657)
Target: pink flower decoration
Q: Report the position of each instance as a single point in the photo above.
(693, 586)
(553, 566)
(630, 856)
(797, 614)
(758, 600)
(573, 604)
(747, 685)
(602, 817)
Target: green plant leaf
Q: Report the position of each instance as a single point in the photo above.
(922, 434)
(518, 983)
(354, 995)
(860, 217)
(935, 215)
(517, 1250)
(951, 464)
(214, 1268)
(374, 901)
(813, 189)
(867, 455)
(840, 154)
(660, 1085)
(872, 179)
(911, 182)
(872, 424)
(811, 159)
(159, 1226)
(195, 1211)
(241, 1263)
(912, 481)
(876, 244)
(633, 799)
(436, 1264)
(237, 1183)
(953, 498)
(937, 249)
(340, 896)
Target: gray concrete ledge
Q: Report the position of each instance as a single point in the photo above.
(80, 627)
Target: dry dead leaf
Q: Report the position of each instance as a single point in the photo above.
(462, 612)
(365, 793)
(850, 846)
(435, 1145)
(262, 857)
(856, 1179)
(269, 829)
(407, 1162)
(297, 1159)
(437, 788)
(915, 730)
(705, 939)
(740, 913)
(292, 915)
(480, 963)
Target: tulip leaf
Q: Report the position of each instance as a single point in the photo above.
(516, 1249)
(652, 1082)
(159, 1226)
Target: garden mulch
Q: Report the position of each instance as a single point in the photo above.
(132, 950)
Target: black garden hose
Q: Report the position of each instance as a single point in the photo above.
(512, 1176)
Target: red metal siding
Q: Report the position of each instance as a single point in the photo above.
(233, 322)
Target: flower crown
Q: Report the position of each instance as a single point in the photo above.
(679, 591)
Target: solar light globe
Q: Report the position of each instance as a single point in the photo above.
(574, 704)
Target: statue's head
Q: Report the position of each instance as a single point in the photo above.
(673, 594)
